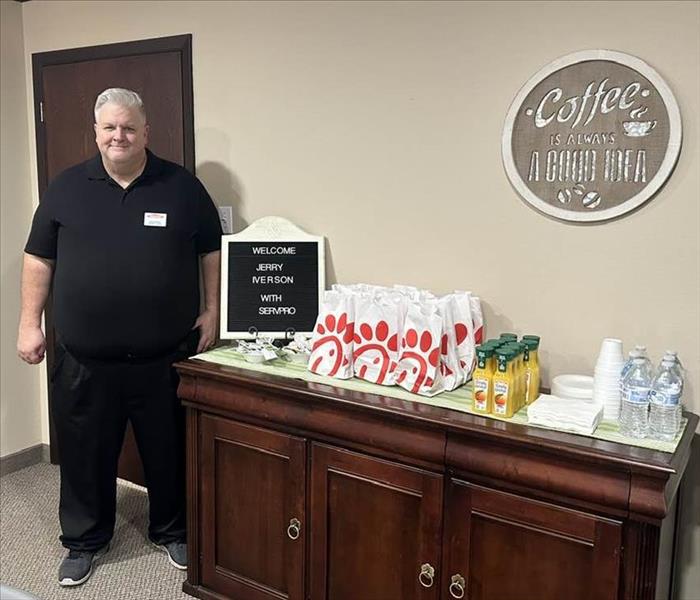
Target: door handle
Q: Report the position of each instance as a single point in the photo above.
(457, 586)
(426, 575)
(294, 529)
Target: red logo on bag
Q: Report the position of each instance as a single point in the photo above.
(368, 340)
(415, 352)
(461, 333)
(338, 331)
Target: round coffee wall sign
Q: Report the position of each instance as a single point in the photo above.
(592, 136)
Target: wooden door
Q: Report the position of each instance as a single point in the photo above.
(499, 545)
(66, 84)
(253, 520)
(375, 528)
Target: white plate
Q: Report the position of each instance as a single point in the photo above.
(573, 386)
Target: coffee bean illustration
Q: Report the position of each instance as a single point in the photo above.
(591, 199)
(564, 196)
(579, 189)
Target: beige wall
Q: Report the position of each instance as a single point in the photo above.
(20, 400)
(378, 125)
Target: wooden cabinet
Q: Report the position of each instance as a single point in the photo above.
(253, 514)
(500, 545)
(306, 491)
(376, 528)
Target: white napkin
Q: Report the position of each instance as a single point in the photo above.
(578, 415)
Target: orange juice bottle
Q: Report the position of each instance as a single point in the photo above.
(522, 375)
(532, 369)
(504, 385)
(483, 380)
(518, 379)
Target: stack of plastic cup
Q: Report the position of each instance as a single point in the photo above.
(606, 378)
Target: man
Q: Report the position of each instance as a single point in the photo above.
(121, 238)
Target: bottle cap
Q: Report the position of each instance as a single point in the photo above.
(509, 336)
(531, 337)
(484, 351)
(531, 344)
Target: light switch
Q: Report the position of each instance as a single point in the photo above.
(226, 217)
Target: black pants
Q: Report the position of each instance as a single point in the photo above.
(91, 403)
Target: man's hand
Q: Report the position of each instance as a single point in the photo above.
(31, 344)
(207, 323)
(36, 281)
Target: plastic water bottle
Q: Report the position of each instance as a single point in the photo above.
(628, 364)
(638, 351)
(677, 367)
(634, 409)
(665, 401)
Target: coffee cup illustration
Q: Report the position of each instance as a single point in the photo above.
(638, 128)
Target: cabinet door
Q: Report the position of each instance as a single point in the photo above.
(252, 512)
(375, 528)
(503, 546)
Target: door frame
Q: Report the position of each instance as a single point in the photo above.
(176, 43)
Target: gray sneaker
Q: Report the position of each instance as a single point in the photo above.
(76, 568)
(177, 553)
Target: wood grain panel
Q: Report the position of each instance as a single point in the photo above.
(514, 548)
(253, 485)
(640, 561)
(326, 419)
(375, 524)
(544, 472)
(193, 497)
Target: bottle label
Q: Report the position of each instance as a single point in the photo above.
(636, 395)
(665, 398)
(500, 397)
(481, 393)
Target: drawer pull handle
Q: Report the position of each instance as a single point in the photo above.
(427, 575)
(457, 586)
(294, 529)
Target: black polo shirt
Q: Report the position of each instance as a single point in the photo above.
(126, 278)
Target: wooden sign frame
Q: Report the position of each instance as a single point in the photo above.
(652, 187)
(267, 229)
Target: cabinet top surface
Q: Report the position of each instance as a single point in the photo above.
(453, 421)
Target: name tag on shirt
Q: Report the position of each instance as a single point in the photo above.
(155, 219)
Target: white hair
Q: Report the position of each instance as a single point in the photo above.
(120, 97)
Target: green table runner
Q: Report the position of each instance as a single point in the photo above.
(459, 399)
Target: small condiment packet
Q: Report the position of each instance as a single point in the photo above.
(269, 354)
(261, 347)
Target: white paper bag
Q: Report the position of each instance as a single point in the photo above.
(465, 331)
(418, 370)
(332, 342)
(376, 339)
(478, 319)
(450, 368)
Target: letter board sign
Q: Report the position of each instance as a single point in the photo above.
(272, 280)
(591, 136)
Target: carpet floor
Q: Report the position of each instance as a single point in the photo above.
(30, 551)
